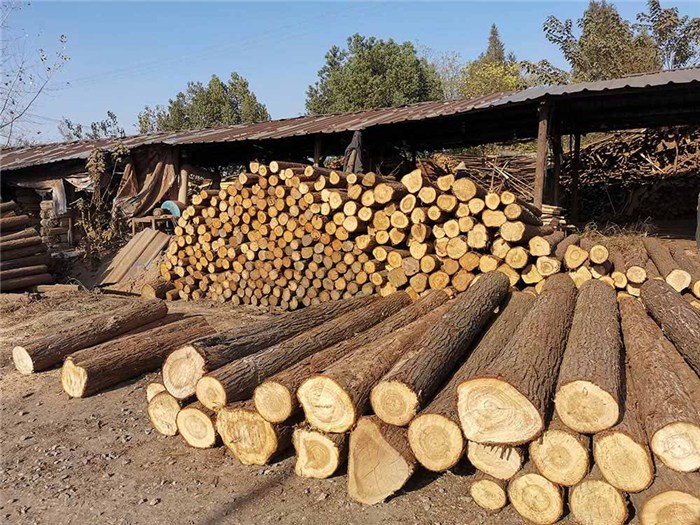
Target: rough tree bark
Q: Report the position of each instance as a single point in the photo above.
(674, 497)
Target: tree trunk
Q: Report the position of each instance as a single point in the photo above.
(6, 207)
(22, 283)
(21, 253)
(622, 452)
(545, 246)
(162, 411)
(411, 383)
(674, 497)
(595, 502)
(689, 265)
(319, 454)
(156, 290)
(44, 352)
(185, 366)
(588, 390)
(679, 279)
(23, 262)
(275, 398)
(488, 492)
(499, 462)
(238, 379)
(534, 497)
(666, 387)
(5, 275)
(561, 454)
(251, 439)
(380, 461)
(94, 369)
(25, 242)
(153, 389)
(334, 400)
(14, 223)
(679, 321)
(562, 246)
(520, 383)
(22, 234)
(196, 424)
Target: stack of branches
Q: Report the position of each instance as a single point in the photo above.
(579, 396)
(631, 175)
(24, 261)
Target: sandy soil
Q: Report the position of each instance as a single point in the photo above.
(97, 460)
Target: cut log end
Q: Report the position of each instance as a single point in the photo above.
(318, 456)
(326, 405)
(499, 462)
(672, 506)
(679, 279)
(22, 360)
(196, 427)
(536, 498)
(560, 457)
(494, 412)
(251, 439)
(394, 403)
(436, 441)
(73, 378)
(182, 370)
(274, 402)
(585, 407)
(624, 463)
(162, 411)
(153, 389)
(678, 446)
(595, 502)
(211, 393)
(488, 494)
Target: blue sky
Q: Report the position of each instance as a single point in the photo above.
(126, 55)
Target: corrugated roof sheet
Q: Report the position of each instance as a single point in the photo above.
(321, 124)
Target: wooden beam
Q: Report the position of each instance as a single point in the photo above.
(574, 178)
(318, 143)
(556, 161)
(182, 190)
(542, 149)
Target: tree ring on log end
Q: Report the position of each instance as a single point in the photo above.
(211, 393)
(326, 405)
(436, 441)
(273, 401)
(678, 446)
(23, 361)
(497, 461)
(624, 463)
(182, 370)
(317, 456)
(196, 427)
(673, 506)
(394, 403)
(73, 378)
(596, 502)
(560, 457)
(162, 411)
(488, 494)
(536, 498)
(493, 411)
(585, 407)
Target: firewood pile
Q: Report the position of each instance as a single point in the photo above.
(24, 261)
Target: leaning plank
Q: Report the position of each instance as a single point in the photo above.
(412, 382)
(186, 365)
(44, 352)
(93, 369)
(674, 497)
(238, 379)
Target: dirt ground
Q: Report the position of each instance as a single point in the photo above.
(97, 460)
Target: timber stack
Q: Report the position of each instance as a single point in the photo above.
(24, 261)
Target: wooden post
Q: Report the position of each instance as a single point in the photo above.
(184, 181)
(317, 149)
(556, 159)
(574, 178)
(542, 143)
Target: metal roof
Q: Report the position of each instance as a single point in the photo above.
(11, 159)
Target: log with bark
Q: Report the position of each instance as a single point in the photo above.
(673, 498)
(678, 278)
(162, 411)
(44, 352)
(196, 424)
(22, 283)
(594, 501)
(499, 462)
(534, 497)
(153, 389)
(319, 454)
(686, 263)
(488, 492)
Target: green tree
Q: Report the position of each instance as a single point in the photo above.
(607, 46)
(201, 106)
(496, 50)
(101, 129)
(677, 37)
(372, 73)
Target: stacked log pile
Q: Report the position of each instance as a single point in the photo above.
(24, 261)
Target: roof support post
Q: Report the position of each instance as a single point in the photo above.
(182, 189)
(557, 155)
(574, 178)
(544, 112)
(318, 143)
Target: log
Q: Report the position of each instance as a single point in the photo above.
(153, 389)
(44, 352)
(7, 245)
(574, 257)
(516, 212)
(534, 497)
(22, 234)
(32, 260)
(518, 231)
(162, 411)
(187, 365)
(412, 382)
(563, 245)
(561, 454)
(380, 461)
(251, 439)
(679, 279)
(21, 283)
(156, 290)
(622, 452)
(21, 253)
(237, 380)
(14, 223)
(689, 265)
(597, 253)
(673, 498)
(92, 370)
(319, 454)
(498, 462)
(6, 275)
(334, 400)
(275, 398)
(507, 403)
(679, 321)
(666, 387)
(6, 207)
(588, 392)
(488, 492)
(545, 246)
(595, 502)
(196, 424)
